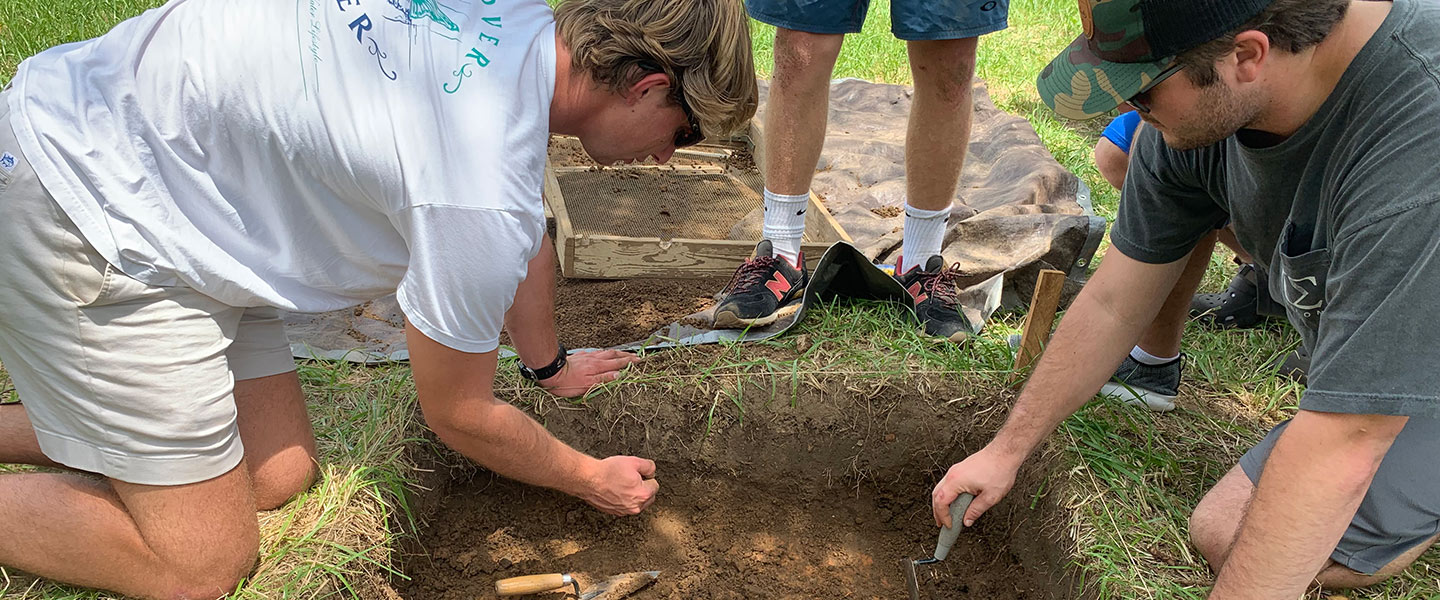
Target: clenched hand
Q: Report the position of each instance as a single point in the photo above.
(984, 474)
(623, 485)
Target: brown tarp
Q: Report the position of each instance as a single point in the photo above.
(1017, 211)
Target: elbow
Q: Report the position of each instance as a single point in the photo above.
(458, 423)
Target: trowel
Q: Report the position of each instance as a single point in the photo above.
(614, 588)
(942, 546)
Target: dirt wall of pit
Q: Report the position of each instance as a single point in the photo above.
(812, 487)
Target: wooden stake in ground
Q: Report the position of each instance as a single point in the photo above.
(1039, 320)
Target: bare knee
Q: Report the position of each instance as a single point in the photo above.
(799, 52)
(1112, 162)
(213, 571)
(1216, 520)
(1209, 538)
(943, 69)
(284, 476)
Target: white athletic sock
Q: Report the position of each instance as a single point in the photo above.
(924, 233)
(785, 223)
(1146, 358)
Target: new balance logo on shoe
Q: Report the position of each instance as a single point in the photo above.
(937, 302)
(778, 285)
(765, 288)
(918, 292)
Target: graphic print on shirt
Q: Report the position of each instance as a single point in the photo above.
(420, 18)
(429, 8)
(475, 56)
(1304, 293)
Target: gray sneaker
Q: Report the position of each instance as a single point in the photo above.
(1153, 387)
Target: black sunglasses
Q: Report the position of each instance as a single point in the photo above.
(1141, 101)
(691, 133)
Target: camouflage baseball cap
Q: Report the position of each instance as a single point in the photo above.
(1127, 43)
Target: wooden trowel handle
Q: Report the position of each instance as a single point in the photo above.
(529, 584)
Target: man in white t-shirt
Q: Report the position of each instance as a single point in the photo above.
(166, 187)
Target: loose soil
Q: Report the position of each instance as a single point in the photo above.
(821, 496)
(594, 313)
(769, 490)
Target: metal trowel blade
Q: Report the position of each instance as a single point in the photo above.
(912, 582)
(620, 586)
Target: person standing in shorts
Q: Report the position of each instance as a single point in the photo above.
(941, 38)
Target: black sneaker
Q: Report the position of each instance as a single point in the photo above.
(937, 300)
(1153, 387)
(1237, 307)
(765, 288)
(1294, 365)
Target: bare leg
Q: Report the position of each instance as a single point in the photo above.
(1216, 522)
(279, 443)
(1227, 237)
(187, 541)
(1162, 338)
(797, 110)
(17, 438)
(1112, 162)
(1336, 575)
(939, 127)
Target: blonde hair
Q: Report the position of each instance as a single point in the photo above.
(702, 45)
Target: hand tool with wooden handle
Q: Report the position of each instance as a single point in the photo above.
(620, 586)
(942, 545)
(530, 584)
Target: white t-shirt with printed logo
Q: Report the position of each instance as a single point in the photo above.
(307, 154)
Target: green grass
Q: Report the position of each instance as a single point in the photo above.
(1131, 477)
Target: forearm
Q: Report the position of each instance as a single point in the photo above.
(1087, 347)
(1110, 313)
(1314, 479)
(505, 440)
(531, 319)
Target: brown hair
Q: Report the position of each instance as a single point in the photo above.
(1291, 25)
(702, 45)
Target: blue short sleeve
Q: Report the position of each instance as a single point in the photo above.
(1121, 131)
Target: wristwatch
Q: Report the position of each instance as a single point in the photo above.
(546, 371)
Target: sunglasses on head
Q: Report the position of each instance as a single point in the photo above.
(690, 134)
(1141, 100)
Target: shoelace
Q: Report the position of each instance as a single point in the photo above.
(942, 285)
(750, 274)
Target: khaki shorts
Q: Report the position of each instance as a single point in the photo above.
(118, 377)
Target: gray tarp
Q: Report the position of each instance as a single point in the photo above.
(1017, 211)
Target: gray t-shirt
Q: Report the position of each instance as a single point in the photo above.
(1344, 215)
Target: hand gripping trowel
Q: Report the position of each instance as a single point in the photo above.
(942, 546)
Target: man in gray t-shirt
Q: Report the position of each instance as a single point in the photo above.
(1309, 124)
